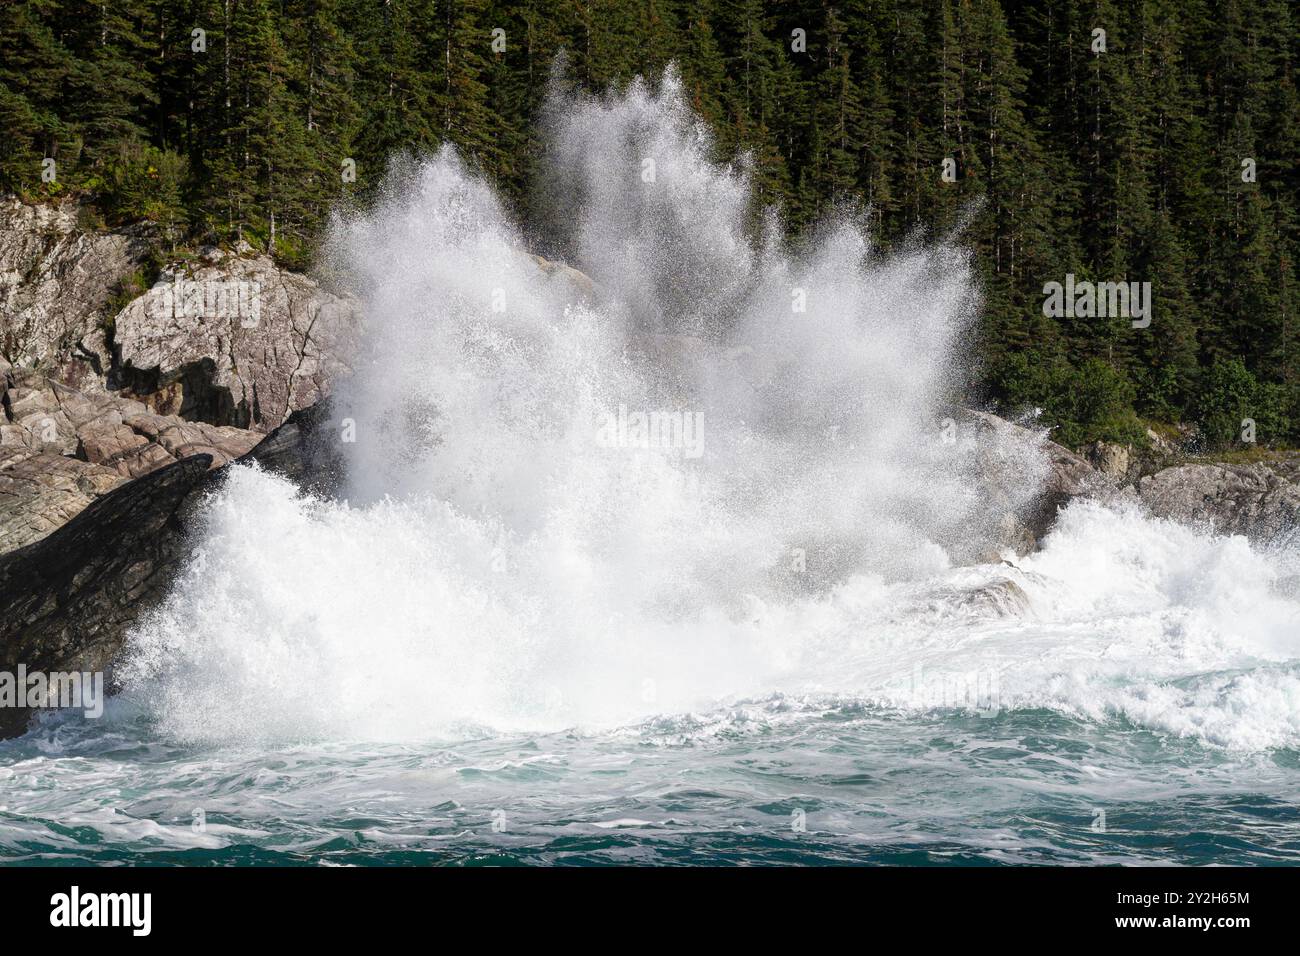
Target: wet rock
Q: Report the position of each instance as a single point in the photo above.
(577, 282)
(1004, 598)
(1025, 479)
(306, 449)
(68, 600)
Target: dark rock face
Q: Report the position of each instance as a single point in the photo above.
(306, 450)
(68, 601)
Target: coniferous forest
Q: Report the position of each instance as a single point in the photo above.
(1111, 140)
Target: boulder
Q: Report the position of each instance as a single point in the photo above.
(578, 283)
(306, 449)
(1025, 479)
(1002, 598)
(234, 341)
(1110, 459)
(1259, 500)
(69, 600)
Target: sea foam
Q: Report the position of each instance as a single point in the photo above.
(493, 567)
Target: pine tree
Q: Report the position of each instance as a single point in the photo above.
(1173, 157)
(33, 66)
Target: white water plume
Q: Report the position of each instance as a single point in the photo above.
(496, 564)
(820, 421)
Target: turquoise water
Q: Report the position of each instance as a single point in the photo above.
(518, 637)
(872, 785)
(1139, 704)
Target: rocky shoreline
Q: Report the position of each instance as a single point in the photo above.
(96, 391)
(68, 601)
(118, 417)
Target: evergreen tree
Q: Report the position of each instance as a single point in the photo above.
(1171, 157)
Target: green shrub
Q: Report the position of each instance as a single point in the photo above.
(143, 182)
(1095, 402)
(1229, 395)
(1091, 402)
(1160, 392)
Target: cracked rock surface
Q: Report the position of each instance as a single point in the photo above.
(235, 341)
(1260, 500)
(218, 353)
(61, 448)
(56, 280)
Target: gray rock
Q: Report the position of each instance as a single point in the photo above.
(1259, 500)
(56, 281)
(1110, 459)
(577, 282)
(1004, 598)
(235, 341)
(40, 492)
(1026, 479)
(60, 449)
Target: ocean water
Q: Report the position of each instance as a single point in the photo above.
(1148, 715)
(532, 631)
